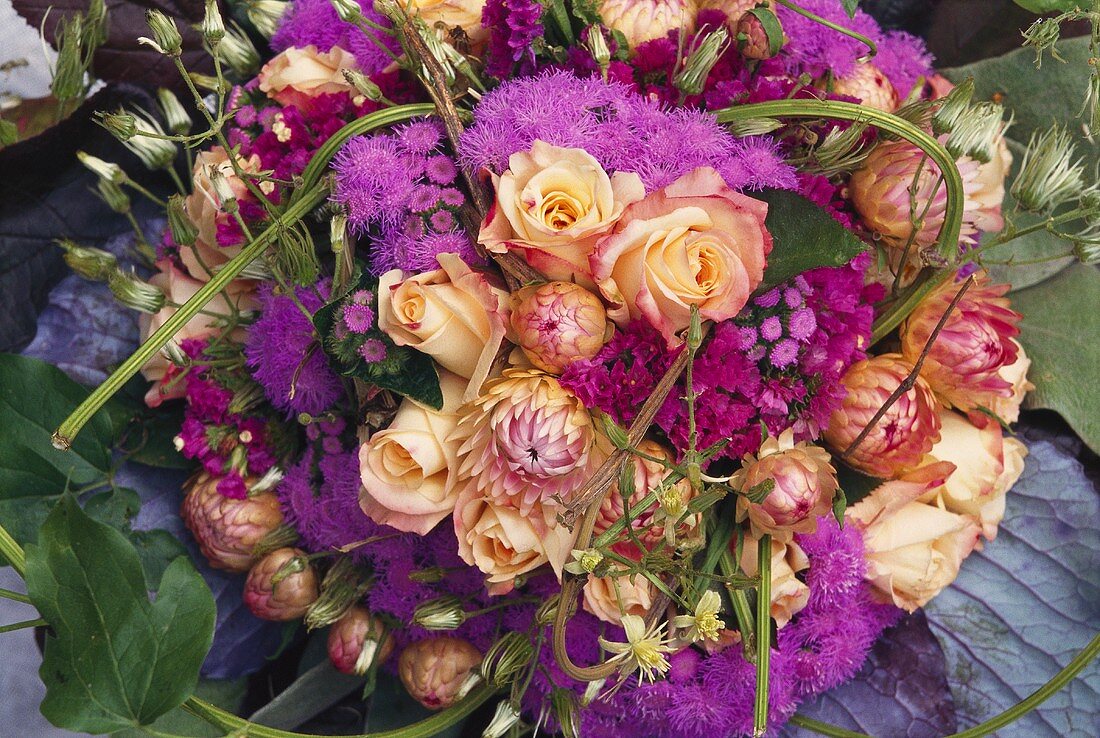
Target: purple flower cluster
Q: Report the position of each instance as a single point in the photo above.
(513, 27)
(316, 23)
(285, 353)
(621, 129)
(779, 362)
(401, 189)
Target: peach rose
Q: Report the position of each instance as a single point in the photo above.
(789, 593)
(205, 210)
(552, 206)
(453, 314)
(1015, 374)
(297, 75)
(987, 465)
(179, 287)
(609, 598)
(696, 242)
(406, 468)
(504, 544)
(913, 549)
(466, 14)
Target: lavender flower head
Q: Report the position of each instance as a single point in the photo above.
(315, 22)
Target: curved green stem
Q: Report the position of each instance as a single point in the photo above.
(951, 228)
(13, 552)
(824, 728)
(424, 729)
(872, 50)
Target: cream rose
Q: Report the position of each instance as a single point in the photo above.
(913, 549)
(453, 314)
(178, 288)
(987, 465)
(407, 468)
(552, 205)
(696, 242)
(789, 594)
(205, 211)
(609, 598)
(504, 544)
(297, 75)
(1008, 408)
(466, 14)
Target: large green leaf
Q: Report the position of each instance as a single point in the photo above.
(804, 237)
(1037, 99)
(1041, 7)
(225, 693)
(1060, 332)
(115, 660)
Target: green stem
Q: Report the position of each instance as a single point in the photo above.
(24, 624)
(948, 238)
(423, 729)
(741, 609)
(763, 634)
(872, 50)
(68, 430)
(13, 552)
(824, 728)
(7, 594)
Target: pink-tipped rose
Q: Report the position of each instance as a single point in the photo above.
(609, 598)
(963, 365)
(281, 586)
(902, 436)
(557, 323)
(297, 75)
(453, 314)
(227, 530)
(357, 640)
(552, 205)
(434, 669)
(804, 485)
(696, 242)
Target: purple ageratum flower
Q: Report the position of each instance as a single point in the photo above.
(372, 350)
(441, 169)
(419, 138)
(285, 358)
(358, 318)
(315, 22)
(801, 324)
(373, 180)
(771, 329)
(395, 249)
(514, 25)
(784, 354)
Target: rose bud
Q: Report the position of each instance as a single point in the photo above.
(913, 549)
(281, 586)
(759, 34)
(227, 530)
(357, 640)
(902, 435)
(435, 670)
(963, 364)
(804, 486)
(867, 83)
(557, 323)
(644, 20)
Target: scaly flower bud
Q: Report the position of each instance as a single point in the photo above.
(363, 84)
(358, 640)
(166, 36)
(434, 670)
(693, 77)
(759, 34)
(902, 436)
(265, 15)
(182, 229)
(119, 124)
(281, 586)
(104, 170)
(114, 196)
(557, 323)
(237, 50)
(213, 27)
(1049, 175)
(506, 716)
(135, 293)
(89, 263)
(442, 613)
(644, 20)
(804, 480)
(870, 85)
(976, 342)
(223, 190)
(227, 530)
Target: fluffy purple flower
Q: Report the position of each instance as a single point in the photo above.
(416, 253)
(514, 25)
(373, 180)
(315, 22)
(358, 318)
(285, 357)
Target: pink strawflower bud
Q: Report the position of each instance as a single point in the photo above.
(227, 530)
(644, 20)
(759, 34)
(357, 640)
(803, 485)
(434, 670)
(867, 83)
(734, 9)
(902, 436)
(557, 323)
(964, 363)
(281, 586)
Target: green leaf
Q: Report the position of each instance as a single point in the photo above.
(850, 7)
(115, 660)
(804, 237)
(226, 694)
(307, 696)
(1037, 98)
(1042, 7)
(1059, 331)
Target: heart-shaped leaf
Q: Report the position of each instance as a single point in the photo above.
(115, 659)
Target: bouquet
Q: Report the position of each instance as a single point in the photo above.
(628, 367)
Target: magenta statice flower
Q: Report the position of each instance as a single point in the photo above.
(513, 25)
(286, 357)
(315, 22)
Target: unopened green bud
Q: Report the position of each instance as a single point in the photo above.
(753, 127)
(89, 263)
(548, 610)
(175, 115)
(265, 15)
(567, 711)
(95, 24)
(238, 51)
(338, 233)
(68, 75)
(977, 131)
(120, 124)
(1042, 35)
(227, 200)
(213, 27)
(213, 84)
(363, 85)
(134, 293)
(618, 436)
(953, 107)
(348, 10)
(1086, 245)
(104, 170)
(592, 691)
(759, 34)
(1049, 173)
(695, 330)
(442, 613)
(431, 575)
(180, 226)
(627, 485)
(693, 77)
(344, 585)
(115, 197)
(597, 45)
(506, 716)
(155, 152)
(507, 658)
(166, 36)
